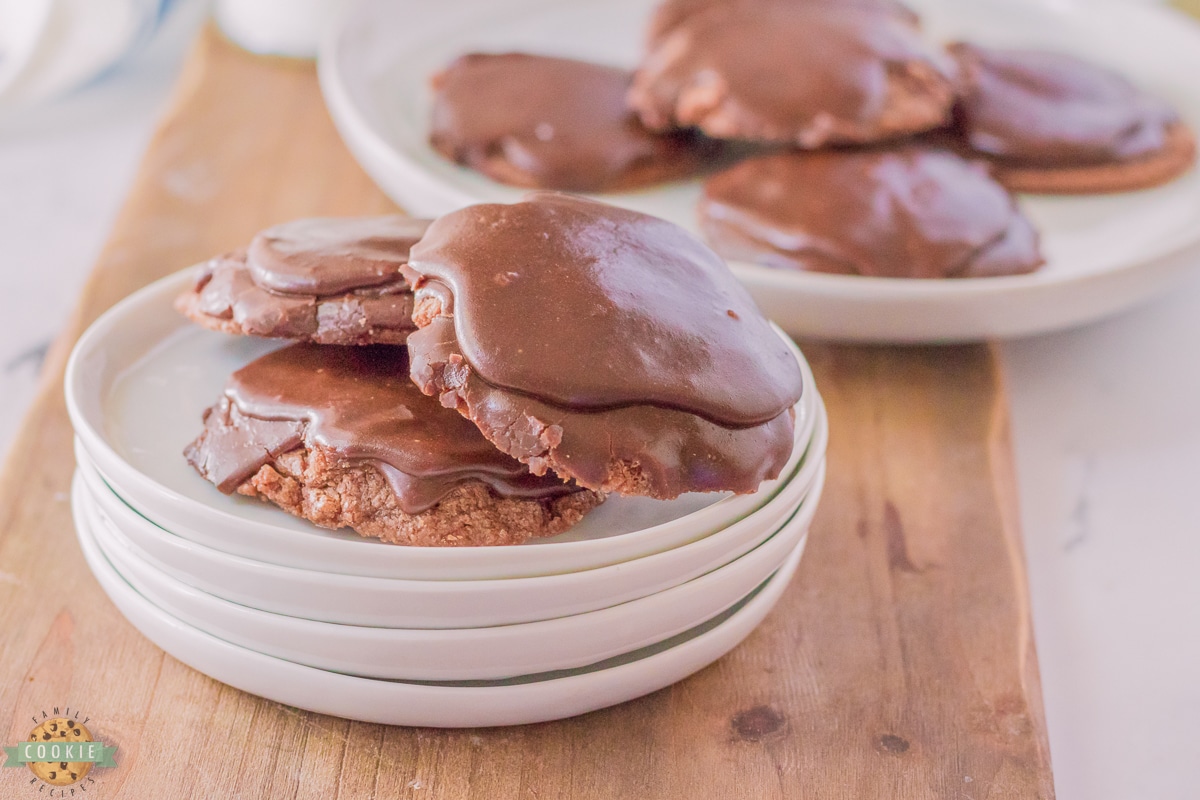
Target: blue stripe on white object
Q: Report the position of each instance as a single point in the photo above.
(49, 47)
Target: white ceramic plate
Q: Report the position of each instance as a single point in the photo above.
(1104, 253)
(517, 701)
(141, 376)
(444, 655)
(400, 603)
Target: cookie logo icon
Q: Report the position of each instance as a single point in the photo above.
(60, 751)
(58, 730)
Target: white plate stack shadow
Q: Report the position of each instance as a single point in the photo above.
(639, 595)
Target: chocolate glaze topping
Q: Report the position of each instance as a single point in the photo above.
(784, 71)
(586, 306)
(1052, 109)
(639, 449)
(909, 212)
(225, 290)
(331, 256)
(672, 12)
(359, 403)
(556, 122)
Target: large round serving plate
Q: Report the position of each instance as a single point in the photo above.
(137, 385)
(1104, 253)
(517, 701)
(452, 654)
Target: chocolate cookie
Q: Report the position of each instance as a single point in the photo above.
(609, 346)
(341, 436)
(1054, 123)
(911, 212)
(670, 13)
(807, 74)
(331, 281)
(553, 123)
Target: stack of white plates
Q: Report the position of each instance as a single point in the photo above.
(637, 596)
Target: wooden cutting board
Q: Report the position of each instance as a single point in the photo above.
(899, 664)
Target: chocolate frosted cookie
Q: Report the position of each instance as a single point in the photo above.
(1054, 123)
(553, 123)
(332, 281)
(906, 213)
(342, 437)
(807, 74)
(609, 346)
(670, 13)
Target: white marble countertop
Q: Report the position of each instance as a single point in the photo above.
(1106, 424)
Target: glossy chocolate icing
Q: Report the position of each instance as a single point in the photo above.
(607, 345)
(588, 306)
(1040, 108)
(226, 290)
(555, 123)
(911, 212)
(808, 73)
(360, 404)
(329, 280)
(327, 256)
(672, 12)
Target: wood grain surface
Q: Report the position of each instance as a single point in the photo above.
(899, 664)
